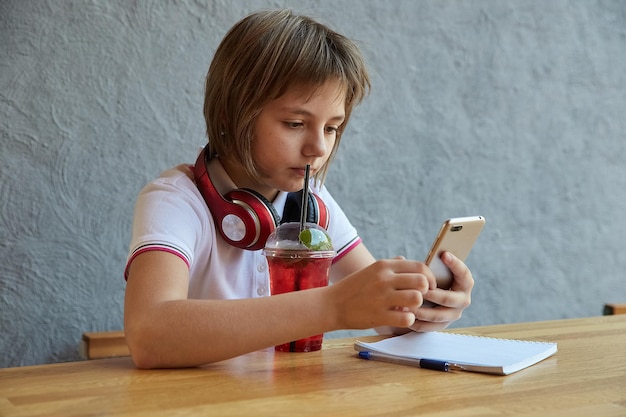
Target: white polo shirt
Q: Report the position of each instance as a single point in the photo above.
(171, 215)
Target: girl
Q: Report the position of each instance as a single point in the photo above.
(279, 94)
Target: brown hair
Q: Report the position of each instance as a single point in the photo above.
(258, 60)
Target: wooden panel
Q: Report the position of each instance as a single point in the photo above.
(610, 309)
(585, 378)
(97, 345)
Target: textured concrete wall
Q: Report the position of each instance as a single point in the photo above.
(509, 109)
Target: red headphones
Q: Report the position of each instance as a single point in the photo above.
(245, 218)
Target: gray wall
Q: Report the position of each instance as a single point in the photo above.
(509, 109)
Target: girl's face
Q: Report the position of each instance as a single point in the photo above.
(296, 129)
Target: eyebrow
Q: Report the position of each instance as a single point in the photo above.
(303, 112)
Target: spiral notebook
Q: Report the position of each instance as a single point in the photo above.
(471, 353)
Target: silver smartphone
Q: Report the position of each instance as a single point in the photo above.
(457, 235)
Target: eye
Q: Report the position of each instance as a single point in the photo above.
(293, 125)
(332, 129)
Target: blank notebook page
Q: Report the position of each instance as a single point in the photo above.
(475, 353)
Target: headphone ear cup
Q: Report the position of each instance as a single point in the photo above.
(257, 214)
(317, 212)
(322, 215)
(243, 217)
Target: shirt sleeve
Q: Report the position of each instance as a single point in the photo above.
(169, 216)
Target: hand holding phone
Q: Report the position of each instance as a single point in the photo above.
(457, 236)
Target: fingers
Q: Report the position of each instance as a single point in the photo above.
(390, 293)
(450, 303)
(400, 265)
(408, 281)
(463, 280)
(402, 317)
(442, 313)
(407, 275)
(404, 283)
(400, 287)
(428, 326)
(405, 300)
(459, 295)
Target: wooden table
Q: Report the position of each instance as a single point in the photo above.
(586, 377)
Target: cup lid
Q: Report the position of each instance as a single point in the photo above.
(289, 241)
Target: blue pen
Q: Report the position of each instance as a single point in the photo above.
(421, 363)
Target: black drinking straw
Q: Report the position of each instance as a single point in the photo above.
(305, 197)
(303, 212)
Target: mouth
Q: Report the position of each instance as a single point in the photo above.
(302, 171)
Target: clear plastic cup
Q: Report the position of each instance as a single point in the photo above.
(299, 260)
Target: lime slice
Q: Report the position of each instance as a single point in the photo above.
(315, 239)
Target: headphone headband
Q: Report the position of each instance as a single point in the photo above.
(244, 218)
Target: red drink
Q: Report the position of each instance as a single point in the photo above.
(299, 259)
(294, 274)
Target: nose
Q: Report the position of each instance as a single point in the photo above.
(317, 143)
